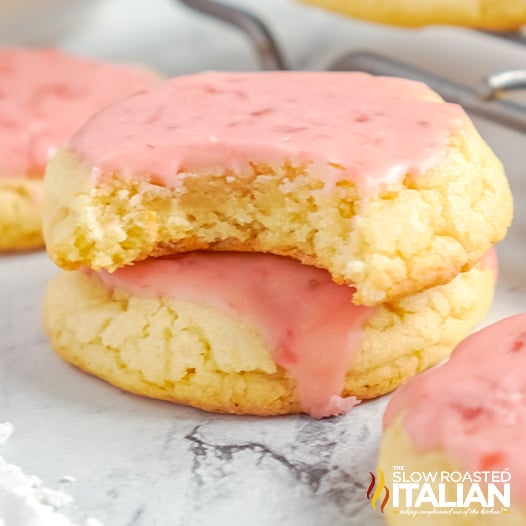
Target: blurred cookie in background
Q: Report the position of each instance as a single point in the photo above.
(485, 14)
(45, 95)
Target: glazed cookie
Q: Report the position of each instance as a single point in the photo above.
(254, 333)
(376, 180)
(467, 417)
(486, 14)
(44, 97)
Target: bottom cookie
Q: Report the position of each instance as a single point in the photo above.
(252, 333)
(20, 214)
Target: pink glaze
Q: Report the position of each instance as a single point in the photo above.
(371, 130)
(474, 407)
(308, 322)
(45, 96)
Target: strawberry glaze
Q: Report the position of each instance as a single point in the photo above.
(371, 130)
(308, 322)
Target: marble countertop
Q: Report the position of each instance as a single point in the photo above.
(139, 462)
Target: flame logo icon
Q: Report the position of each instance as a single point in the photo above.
(373, 497)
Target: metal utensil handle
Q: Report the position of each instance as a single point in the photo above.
(268, 52)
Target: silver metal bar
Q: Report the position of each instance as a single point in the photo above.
(483, 102)
(506, 80)
(519, 37)
(268, 52)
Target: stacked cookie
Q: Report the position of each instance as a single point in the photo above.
(270, 243)
(44, 97)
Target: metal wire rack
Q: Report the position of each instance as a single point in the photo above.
(487, 101)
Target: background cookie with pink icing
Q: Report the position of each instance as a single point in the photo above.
(468, 416)
(44, 97)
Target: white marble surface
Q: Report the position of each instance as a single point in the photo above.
(145, 463)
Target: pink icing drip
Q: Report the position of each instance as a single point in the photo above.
(46, 95)
(473, 407)
(308, 322)
(372, 130)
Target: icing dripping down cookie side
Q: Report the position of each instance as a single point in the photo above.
(308, 322)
